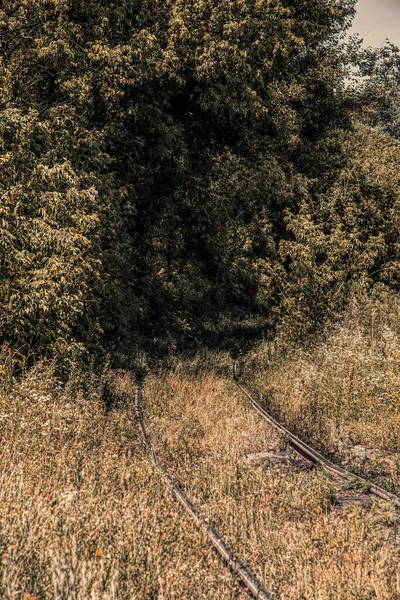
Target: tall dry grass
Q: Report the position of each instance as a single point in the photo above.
(82, 514)
(283, 519)
(344, 394)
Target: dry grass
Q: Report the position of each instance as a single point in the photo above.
(343, 396)
(83, 515)
(283, 521)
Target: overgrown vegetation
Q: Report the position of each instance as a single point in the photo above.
(178, 177)
(83, 515)
(343, 393)
(169, 169)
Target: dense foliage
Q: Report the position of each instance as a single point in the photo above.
(170, 166)
(376, 84)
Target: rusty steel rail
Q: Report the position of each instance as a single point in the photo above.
(312, 455)
(247, 577)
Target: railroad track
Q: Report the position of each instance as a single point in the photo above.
(247, 577)
(312, 455)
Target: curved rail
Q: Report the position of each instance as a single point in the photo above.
(311, 454)
(247, 577)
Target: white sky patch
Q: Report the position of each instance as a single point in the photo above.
(377, 20)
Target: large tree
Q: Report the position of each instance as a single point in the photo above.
(149, 152)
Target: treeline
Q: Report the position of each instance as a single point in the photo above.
(169, 169)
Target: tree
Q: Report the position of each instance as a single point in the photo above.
(158, 147)
(375, 88)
